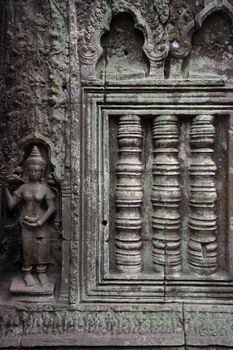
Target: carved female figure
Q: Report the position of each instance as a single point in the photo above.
(37, 206)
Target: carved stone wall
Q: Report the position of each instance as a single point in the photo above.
(3, 16)
(129, 104)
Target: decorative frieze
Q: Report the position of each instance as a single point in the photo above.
(166, 195)
(129, 194)
(202, 248)
(104, 328)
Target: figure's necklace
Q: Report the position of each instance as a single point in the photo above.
(33, 184)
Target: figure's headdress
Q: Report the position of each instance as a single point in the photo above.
(35, 157)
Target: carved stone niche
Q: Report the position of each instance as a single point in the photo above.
(205, 43)
(31, 225)
(123, 55)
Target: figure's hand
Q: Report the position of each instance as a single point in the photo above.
(31, 219)
(32, 224)
(29, 225)
(39, 223)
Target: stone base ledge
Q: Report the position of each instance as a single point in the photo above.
(166, 325)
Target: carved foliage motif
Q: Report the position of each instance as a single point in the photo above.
(202, 245)
(90, 15)
(183, 12)
(37, 74)
(94, 19)
(166, 195)
(129, 194)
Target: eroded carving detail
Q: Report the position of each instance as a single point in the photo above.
(200, 324)
(202, 248)
(129, 194)
(37, 76)
(97, 323)
(166, 195)
(91, 19)
(212, 49)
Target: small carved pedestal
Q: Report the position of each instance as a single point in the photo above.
(39, 293)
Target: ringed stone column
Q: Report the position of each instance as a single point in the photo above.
(165, 197)
(129, 195)
(202, 248)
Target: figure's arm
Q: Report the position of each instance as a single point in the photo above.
(50, 210)
(12, 200)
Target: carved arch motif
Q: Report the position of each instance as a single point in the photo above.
(184, 46)
(91, 50)
(36, 138)
(105, 26)
(140, 23)
(213, 6)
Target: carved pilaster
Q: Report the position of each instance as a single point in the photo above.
(202, 252)
(129, 194)
(166, 195)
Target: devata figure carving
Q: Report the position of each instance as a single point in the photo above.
(37, 207)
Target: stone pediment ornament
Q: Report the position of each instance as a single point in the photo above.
(89, 38)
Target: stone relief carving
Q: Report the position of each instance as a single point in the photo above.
(37, 206)
(36, 105)
(94, 323)
(164, 123)
(36, 77)
(156, 45)
(167, 31)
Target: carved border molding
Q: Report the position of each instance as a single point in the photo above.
(148, 326)
(110, 102)
(176, 325)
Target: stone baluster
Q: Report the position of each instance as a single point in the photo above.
(166, 252)
(202, 247)
(129, 195)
